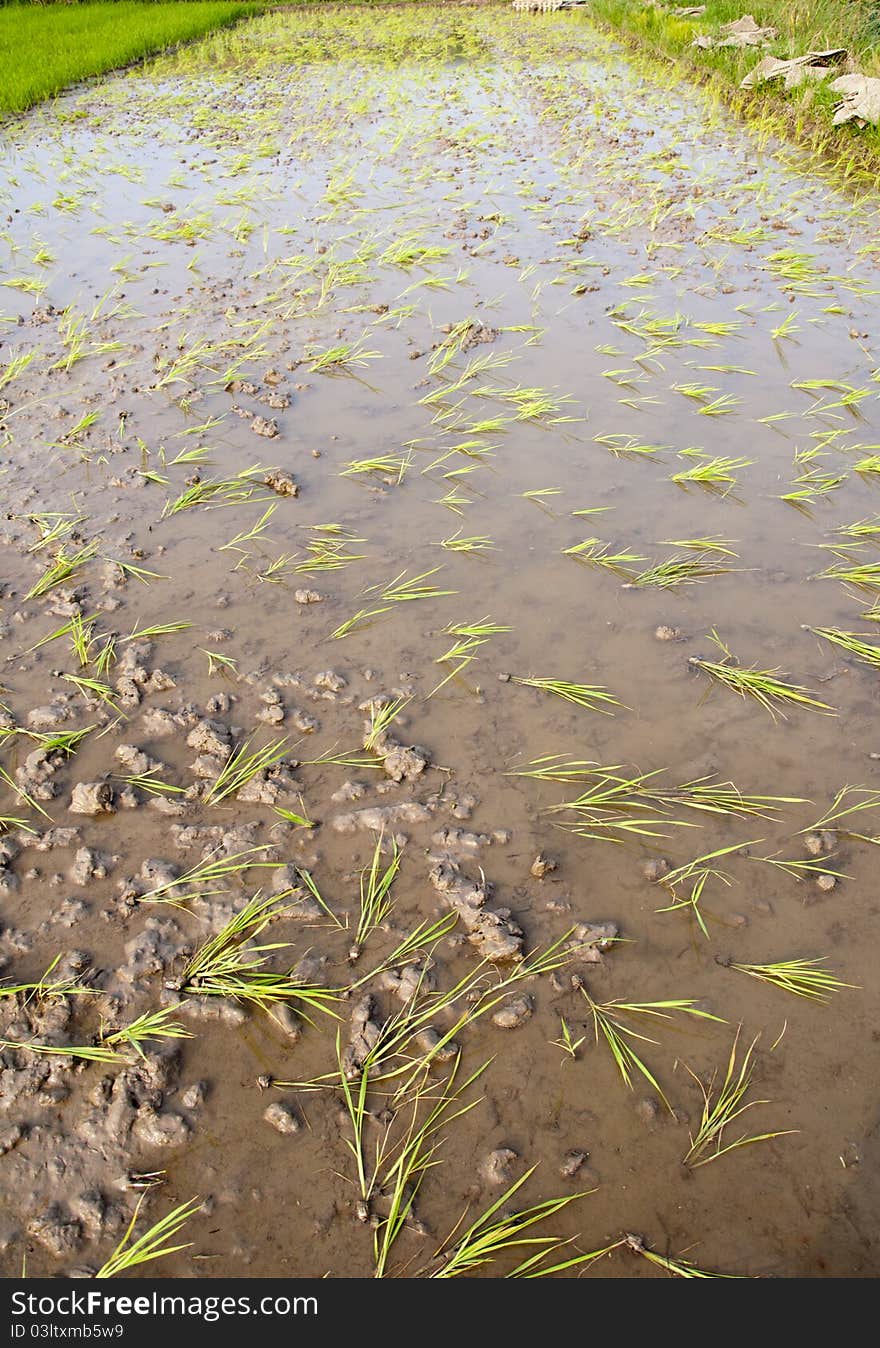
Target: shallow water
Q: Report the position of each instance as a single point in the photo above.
(248, 192)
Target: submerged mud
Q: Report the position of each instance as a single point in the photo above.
(325, 338)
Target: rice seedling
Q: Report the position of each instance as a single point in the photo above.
(343, 356)
(712, 472)
(866, 528)
(723, 1103)
(415, 1155)
(863, 575)
(382, 715)
(681, 569)
(620, 445)
(93, 690)
(242, 766)
(678, 1266)
(65, 565)
(152, 784)
(59, 741)
(204, 876)
(156, 630)
(230, 964)
(609, 1021)
(388, 465)
(46, 987)
(596, 553)
(566, 1042)
(800, 868)
(257, 531)
(224, 663)
(293, 817)
(139, 573)
(400, 590)
(853, 642)
(153, 1244)
(848, 801)
(308, 880)
(697, 873)
(80, 1052)
(15, 367)
(21, 794)
(475, 543)
(761, 685)
(153, 1025)
(590, 696)
(803, 978)
(498, 1231)
(375, 895)
(723, 546)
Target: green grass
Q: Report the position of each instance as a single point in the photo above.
(44, 49)
(804, 114)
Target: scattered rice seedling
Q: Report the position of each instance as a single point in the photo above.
(800, 868)
(723, 1103)
(848, 801)
(230, 964)
(153, 1244)
(375, 895)
(204, 876)
(590, 696)
(712, 472)
(156, 630)
(566, 1041)
(224, 663)
(681, 569)
(854, 642)
(388, 465)
(65, 565)
(678, 1266)
(803, 978)
(761, 685)
(697, 874)
(382, 714)
(498, 1231)
(609, 1021)
(475, 543)
(242, 766)
(597, 553)
(150, 1026)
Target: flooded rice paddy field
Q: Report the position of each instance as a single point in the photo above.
(350, 367)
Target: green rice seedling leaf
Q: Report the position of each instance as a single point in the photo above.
(382, 715)
(761, 685)
(65, 565)
(204, 876)
(229, 964)
(853, 642)
(848, 801)
(497, 1231)
(712, 472)
(82, 1052)
(153, 1244)
(388, 465)
(242, 765)
(609, 1021)
(678, 1266)
(803, 978)
(587, 695)
(802, 868)
(153, 1025)
(155, 630)
(432, 1109)
(375, 894)
(723, 1103)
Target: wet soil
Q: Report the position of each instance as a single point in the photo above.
(179, 246)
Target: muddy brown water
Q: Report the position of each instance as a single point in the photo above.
(246, 192)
